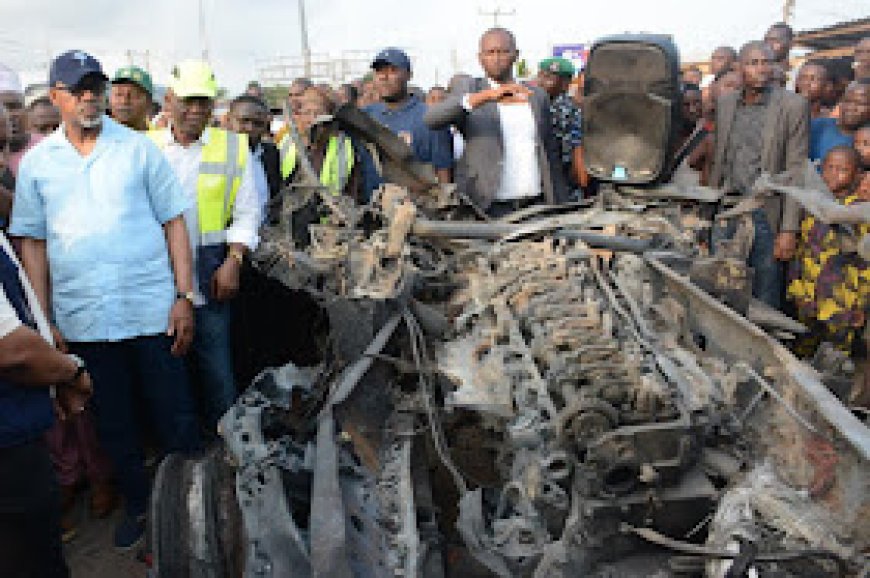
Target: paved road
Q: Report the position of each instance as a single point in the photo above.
(91, 554)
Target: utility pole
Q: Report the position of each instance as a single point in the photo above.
(306, 49)
(788, 11)
(496, 13)
(202, 38)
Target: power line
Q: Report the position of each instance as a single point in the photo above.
(303, 29)
(202, 37)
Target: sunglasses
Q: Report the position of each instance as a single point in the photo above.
(94, 85)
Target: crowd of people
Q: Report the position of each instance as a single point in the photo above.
(129, 232)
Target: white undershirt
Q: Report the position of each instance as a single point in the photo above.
(260, 181)
(246, 210)
(520, 175)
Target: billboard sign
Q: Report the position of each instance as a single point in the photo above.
(576, 53)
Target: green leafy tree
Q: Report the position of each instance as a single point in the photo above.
(522, 68)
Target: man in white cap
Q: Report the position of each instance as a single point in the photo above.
(12, 97)
(215, 173)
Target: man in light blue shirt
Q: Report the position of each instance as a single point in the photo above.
(105, 246)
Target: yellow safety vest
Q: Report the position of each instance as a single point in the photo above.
(224, 156)
(337, 163)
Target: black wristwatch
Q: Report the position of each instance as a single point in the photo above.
(80, 368)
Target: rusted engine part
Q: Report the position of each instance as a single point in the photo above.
(527, 535)
(763, 511)
(813, 442)
(370, 261)
(592, 419)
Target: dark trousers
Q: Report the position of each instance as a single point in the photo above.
(129, 373)
(211, 362)
(30, 545)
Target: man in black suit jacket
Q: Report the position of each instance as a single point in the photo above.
(262, 299)
(249, 115)
(511, 159)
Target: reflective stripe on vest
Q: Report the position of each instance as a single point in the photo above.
(221, 167)
(337, 163)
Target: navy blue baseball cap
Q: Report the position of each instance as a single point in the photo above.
(70, 67)
(392, 56)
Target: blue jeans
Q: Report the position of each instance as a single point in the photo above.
(125, 374)
(768, 278)
(211, 361)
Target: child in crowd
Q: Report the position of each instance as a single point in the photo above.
(862, 145)
(830, 283)
(863, 190)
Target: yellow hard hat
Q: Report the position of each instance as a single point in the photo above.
(193, 78)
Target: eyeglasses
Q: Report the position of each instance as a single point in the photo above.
(94, 86)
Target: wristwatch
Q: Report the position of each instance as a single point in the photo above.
(80, 368)
(189, 295)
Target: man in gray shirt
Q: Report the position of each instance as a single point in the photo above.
(761, 129)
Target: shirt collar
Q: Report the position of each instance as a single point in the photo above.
(257, 153)
(202, 140)
(109, 131)
(765, 98)
(496, 84)
(407, 105)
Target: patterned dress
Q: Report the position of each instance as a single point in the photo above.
(830, 286)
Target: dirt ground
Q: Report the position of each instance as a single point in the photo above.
(91, 554)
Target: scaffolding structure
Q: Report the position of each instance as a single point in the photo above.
(324, 68)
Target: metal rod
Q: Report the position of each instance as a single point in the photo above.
(495, 231)
(778, 397)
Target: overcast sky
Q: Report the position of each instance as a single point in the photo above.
(440, 35)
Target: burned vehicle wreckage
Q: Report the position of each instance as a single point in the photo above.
(569, 391)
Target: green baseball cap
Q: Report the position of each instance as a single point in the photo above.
(135, 75)
(559, 66)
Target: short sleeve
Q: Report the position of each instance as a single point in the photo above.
(28, 208)
(442, 148)
(164, 190)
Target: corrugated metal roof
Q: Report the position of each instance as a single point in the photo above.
(834, 36)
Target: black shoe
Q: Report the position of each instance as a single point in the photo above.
(129, 532)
